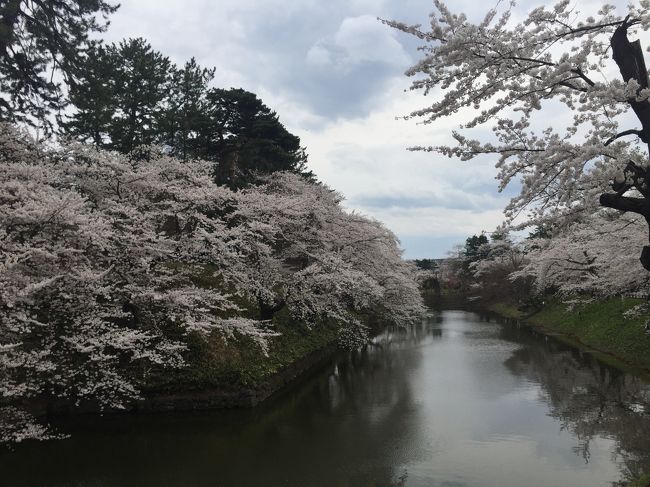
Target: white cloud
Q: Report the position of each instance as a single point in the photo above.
(416, 194)
(358, 40)
(319, 55)
(437, 223)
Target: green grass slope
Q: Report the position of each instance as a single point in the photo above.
(598, 324)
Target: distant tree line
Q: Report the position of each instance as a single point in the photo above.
(575, 263)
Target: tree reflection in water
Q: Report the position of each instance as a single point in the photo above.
(588, 397)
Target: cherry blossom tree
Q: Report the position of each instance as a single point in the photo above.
(104, 260)
(523, 79)
(583, 259)
(307, 254)
(495, 272)
(99, 258)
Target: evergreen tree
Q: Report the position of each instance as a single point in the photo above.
(38, 37)
(247, 139)
(475, 250)
(92, 97)
(141, 86)
(130, 95)
(184, 117)
(120, 96)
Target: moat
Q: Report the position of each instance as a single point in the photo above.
(460, 400)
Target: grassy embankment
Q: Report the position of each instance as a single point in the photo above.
(237, 364)
(643, 481)
(599, 325)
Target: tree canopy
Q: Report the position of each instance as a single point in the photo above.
(183, 124)
(247, 137)
(554, 61)
(129, 94)
(138, 238)
(119, 96)
(110, 266)
(38, 38)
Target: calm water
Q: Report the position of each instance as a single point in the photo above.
(458, 401)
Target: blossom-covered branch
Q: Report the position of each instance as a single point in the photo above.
(554, 61)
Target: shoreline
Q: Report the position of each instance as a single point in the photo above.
(598, 328)
(217, 397)
(213, 398)
(566, 331)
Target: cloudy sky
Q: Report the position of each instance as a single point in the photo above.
(334, 74)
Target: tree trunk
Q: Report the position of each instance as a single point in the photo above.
(629, 58)
(267, 312)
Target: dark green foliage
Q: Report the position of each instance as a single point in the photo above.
(141, 85)
(120, 96)
(473, 251)
(247, 139)
(643, 481)
(38, 37)
(183, 125)
(426, 264)
(92, 96)
(129, 95)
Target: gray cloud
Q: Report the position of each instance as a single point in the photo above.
(331, 57)
(335, 76)
(457, 200)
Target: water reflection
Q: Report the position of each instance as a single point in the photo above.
(459, 400)
(588, 397)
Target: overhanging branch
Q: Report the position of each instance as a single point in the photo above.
(623, 134)
(626, 203)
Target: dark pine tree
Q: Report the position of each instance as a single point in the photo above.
(122, 110)
(129, 95)
(474, 249)
(184, 116)
(247, 139)
(92, 97)
(141, 87)
(37, 38)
